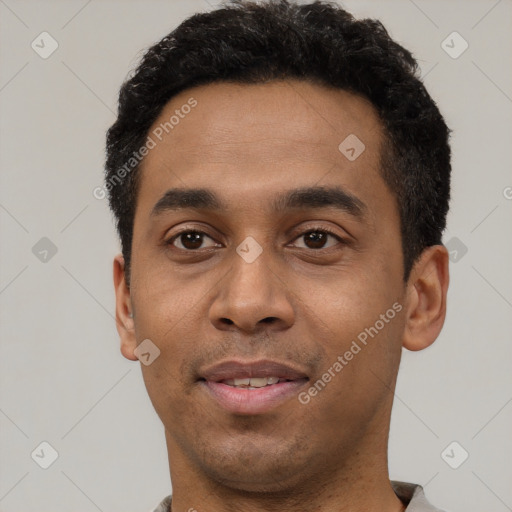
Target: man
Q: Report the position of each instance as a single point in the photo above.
(280, 179)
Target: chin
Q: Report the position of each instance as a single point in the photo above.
(260, 468)
(256, 480)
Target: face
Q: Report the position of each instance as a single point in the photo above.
(262, 249)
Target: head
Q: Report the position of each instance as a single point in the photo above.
(309, 132)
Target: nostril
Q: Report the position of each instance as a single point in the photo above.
(269, 319)
(227, 321)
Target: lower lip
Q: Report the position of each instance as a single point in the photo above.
(253, 401)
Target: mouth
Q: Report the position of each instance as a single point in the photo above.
(251, 387)
(254, 382)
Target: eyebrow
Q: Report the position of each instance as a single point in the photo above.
(306, 197)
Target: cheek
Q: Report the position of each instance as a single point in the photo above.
(167, 312)
(359, 320)
(355, 386)
(163, 298)
(349, 303)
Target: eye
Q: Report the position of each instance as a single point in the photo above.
(318, 238)
(191, 240)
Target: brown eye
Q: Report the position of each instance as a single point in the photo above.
(190, 240)
(318, 239)
(315, 239)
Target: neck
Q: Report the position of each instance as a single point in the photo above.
(317, 497)
(354, 480)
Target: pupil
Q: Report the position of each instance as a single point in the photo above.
(315, 239)
(191, 240)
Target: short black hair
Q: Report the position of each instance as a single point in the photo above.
(250, 42)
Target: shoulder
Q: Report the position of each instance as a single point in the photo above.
(163, 506)
(414, 496)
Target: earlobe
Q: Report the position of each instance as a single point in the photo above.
(124, 311)
(426, 298)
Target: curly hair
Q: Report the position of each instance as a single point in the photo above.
(251, 42)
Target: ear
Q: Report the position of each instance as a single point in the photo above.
(426, 298)
(124, 311)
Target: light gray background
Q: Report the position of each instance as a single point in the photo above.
(62, 377)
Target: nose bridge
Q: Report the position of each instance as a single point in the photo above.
(252, 276)
(251, 293)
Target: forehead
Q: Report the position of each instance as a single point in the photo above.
(259, 139)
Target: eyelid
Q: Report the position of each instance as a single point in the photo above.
(301, 230)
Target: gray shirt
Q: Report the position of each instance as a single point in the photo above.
(411, 494)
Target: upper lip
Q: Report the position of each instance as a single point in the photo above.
(234, 369)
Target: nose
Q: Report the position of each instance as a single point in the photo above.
(252, 297)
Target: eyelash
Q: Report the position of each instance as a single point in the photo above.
(324, 230)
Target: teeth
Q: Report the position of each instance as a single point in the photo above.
(258, 382)
(252, 383)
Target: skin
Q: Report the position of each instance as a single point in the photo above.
(296, 302)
